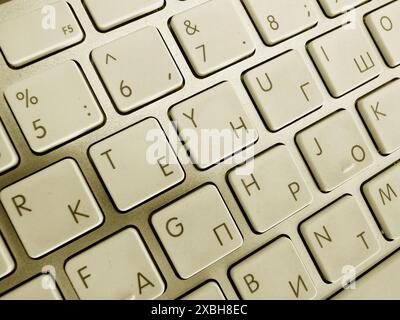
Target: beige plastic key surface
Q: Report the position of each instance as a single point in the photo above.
(383, 196)
(210, 139)
(381, 113)
(335, 7)
(209, 291)
(40, 288)
(51, 207)
(8, 155)
(213, 35)
(54, 107)
(334, 149)
(136, 164)
(283, 97)
(197, 233)
(340, 238)
(137, 69)
(381, 283)
(6, 261)
(270, 188)
(118, 268)
(277, 21)
(273, 273)
(39, 33)
(384, 27)
(109, 14)
(345, 58)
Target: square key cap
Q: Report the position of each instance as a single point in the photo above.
(137, 69)
(213, 35)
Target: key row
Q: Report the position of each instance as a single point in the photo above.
(340, 235)
(120, 267)
(201, 31)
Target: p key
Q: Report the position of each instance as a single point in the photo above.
(47, 211)
(197, 230)
(334, 149)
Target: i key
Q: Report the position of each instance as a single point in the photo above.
(345, 58)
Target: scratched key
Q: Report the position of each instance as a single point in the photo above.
(334, 149)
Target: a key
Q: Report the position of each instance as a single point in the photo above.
(383, 196)
(384, 29)
(136, 164)
(51, 207)
(137, 69)
(345, 59)
(213, 35)
(119, 267)
(381, 283)
(277, 21)
(54, 107)
(282, 97)
(6, 261)
(340, 239)
(197, 230)
(334, 150)
(333, 8)
(208, 291)
(8, 155)
(213, 125)
(35, 35)
(40, 288)
(109, 14)
(273, 273)
(381, 113)
(270, 188)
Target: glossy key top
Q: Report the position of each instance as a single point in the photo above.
(34, 35)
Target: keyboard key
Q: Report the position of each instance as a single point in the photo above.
(273, 273)
(50, 29)
(282, 99)
(271, 181)
(383, 196)
(119, 267)
(136, 164)
(199, 229)
(210, 139)
(54, 107)
(381, 283)
(48, 211)
(109, 14)
(209, 291)
(134, 80)
(8, 155)
(334, 150)
(384, 29)
(339, 237)
(277, 21)
(213, 35)
(334, 7)
(380, 113)
(40, 288)
(345, 58)
(6, 261)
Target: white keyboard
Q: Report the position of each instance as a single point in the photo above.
(199, 149)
